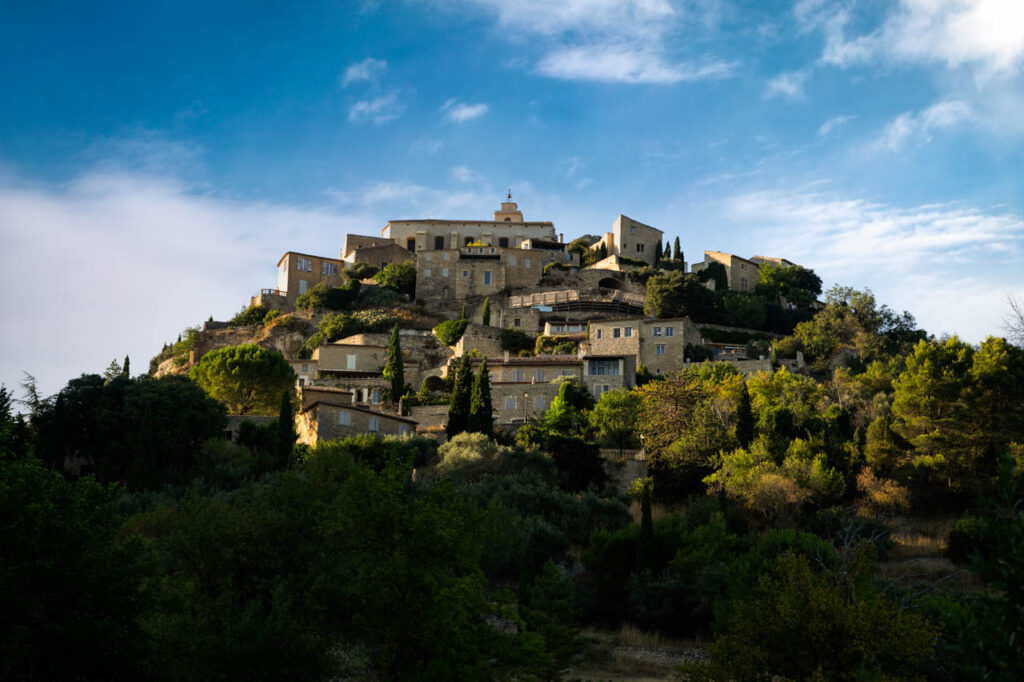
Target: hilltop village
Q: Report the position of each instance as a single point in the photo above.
(539, 310)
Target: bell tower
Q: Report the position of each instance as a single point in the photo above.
(509, 212)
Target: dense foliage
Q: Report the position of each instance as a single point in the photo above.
(248, 378)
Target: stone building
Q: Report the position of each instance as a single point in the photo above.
(631, 239)
(378, 255)
(507, 230)
(323, 420)
(298, 272)
(658, 345)
(741, 273)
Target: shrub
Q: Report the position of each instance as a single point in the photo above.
(965, 538)
(400, 277)
(450, 331)
(555, 266)
(377, 297)
(322, 295)
(361, 270)
(695, 353)
(249, 317)
(515, 340)
(467, 448)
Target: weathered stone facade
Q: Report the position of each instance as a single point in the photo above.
(741, 273)
(631, 239)
(299, 272)
(657, 345)
(324, 421)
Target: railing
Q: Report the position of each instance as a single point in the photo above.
(573, 296)
(273, 292)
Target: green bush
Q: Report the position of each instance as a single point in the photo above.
(516, 340)
(377, 297)
(249, 317)
(361, 270)
(400, 277)
(556, 266)
(450, 331)
(965, 538)
(322, 295)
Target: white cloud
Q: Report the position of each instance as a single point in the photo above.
(378, 110)
(789, 84)
(369, 69)
(833, 123)
(465, 174)
(626, 65)
(114, 264)
(916, 258)
(916, 129)
(614, 41)
(985, 35)
(460, 112)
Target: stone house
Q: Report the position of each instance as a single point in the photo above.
(298, 272)
(741, 273)
(507, 230)
(323, 420)
(378, 255)
(631, 239)
(657, 345)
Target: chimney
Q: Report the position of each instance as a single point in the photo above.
(506, 356)
(561, 237)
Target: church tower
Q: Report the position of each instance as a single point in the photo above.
(509, 212)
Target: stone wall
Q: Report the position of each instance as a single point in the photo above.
(485, 340)
(349, 357)
(323, 422)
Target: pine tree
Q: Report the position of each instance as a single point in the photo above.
(744, 419)
(125, 371)
(678, 255)
(481, 413)
(487, 312)
(394, 369)
(462, 388)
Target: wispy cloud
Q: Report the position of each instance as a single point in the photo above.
(613, 41)
(833, 123)
(905, 252)
(162, 252)
(377, 110)
(789, 85)
(909, 129)
(369, 69)
(460, 112)
(984, 35)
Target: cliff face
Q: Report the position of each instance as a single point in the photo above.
(287, 338)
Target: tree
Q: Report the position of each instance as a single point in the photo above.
(394, 368)
(126, 368)
(1014, 321)
(614, 418)
(744, 418)
(716, 272)
(657, 253)
(678, 255)
(463, 315)
(462, 388)
(113, 370)
(249, 379)
(486, 317)
(400, 277)
(562, 416)
(323, 296)
(481, 413)
(674, 294)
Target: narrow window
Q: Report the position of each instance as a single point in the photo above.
(511, 260)
(628, 331)
(659, 349)
(410, 244)
(669, 331)
(444, 272)
(426, 273)
(598, 333)
(303, 284)
(616, 333)
(526, 263)
(487, 276)
(657, 331)
(465, 274)
(344, 419)
(510, 403)
(374, 424)
(503, 242)
(439, 243)
(517, 375)
(538, 402)
(538, 375)
(516, 322)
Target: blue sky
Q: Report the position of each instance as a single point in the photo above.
(157, 158)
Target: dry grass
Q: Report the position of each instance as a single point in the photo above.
(913, 538)
(632, 655)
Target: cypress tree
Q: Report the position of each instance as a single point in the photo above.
(481, 413)
(394, 369)
(462, 387)
(285, 436)
(744, 419)
(463, 316)
(602, 251)
(125, 371)
(487, 312)
(678, 255)
(645, 548)
(657, 253)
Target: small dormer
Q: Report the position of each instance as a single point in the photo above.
(509, 212)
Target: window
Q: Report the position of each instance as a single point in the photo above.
(410, 243)
(526, 263)
(669, 331)
(632, 229)
(503, 242)
(303, 285)
(517, 375)
(426, 273)
(628, 331)
(516, 322)
(598, 333)
(538, 402)
(616, 333)
(445, 256)
(639, 248)
(465, 274)
(657, 331)
(608, 367)
(538, 375)
(305, 368)
(511, 260)
(304, 264)
(350, 361)
(558, 328)
(375, 397)
(344, 419)
(510, 403)
(403, 429)
(487, 276)
(444, 272)
(427, 257)
(328, 268)
(659, 349)
(605, 388)
(438, 243)
(374, 424)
